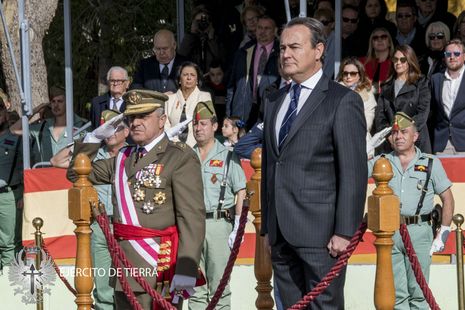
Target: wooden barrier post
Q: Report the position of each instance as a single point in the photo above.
(80, 199)
(383, 220)
(262, 264)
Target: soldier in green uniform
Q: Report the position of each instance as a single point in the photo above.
(411, 168)
(10, 190)
(49, 136)
(158, 198)
(220, 167)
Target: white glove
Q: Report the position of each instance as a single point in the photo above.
(232, 235)
(178, 129)
(377, 139)
(183, 286)
(440, 240)
(104, 131)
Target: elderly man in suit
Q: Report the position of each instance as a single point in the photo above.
(448, 102)
(158, 72)
(314, 169)
(255, 68)
(158, 195)
(118, 83)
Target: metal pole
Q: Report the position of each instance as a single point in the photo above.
(337, 37)
(26, 101)
(458, 221)
(68, 72)
(180, 13)
(288, 10)
(38, 223)
(303, 8)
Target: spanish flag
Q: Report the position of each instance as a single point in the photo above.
(46, 196)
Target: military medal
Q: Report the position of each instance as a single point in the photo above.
(214, 178)
(159, 198)
(139, 194)
(148, 207)
(157, 180)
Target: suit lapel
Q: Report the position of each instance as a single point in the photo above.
(316, 97)
(439, 97)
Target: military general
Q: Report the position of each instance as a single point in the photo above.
(158, 198)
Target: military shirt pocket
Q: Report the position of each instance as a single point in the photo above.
(419, 179)
(213, 176)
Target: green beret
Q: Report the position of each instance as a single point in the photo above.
(402, 121)
(108, 115)
(204, 110)
(141, 101)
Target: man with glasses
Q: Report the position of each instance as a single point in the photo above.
(158, 72)
(118, 83)
(448, 102)
(351, 43)
(408, 31)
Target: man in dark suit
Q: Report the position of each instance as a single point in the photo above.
(255, 68)
(118, 82)
(448, 102)
(158, 72)
(314, 169)
(157, 187)
(408, 30)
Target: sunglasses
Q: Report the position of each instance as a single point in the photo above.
(381, 37)
(350, 20)
(404, 15)
(326, 22)
(349, 73)
(437, 35)
(455, 54)
(401, 59)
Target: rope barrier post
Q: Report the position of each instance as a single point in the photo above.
(38, 223)
(262, 262)
(80, 199)
(458, 221)
(383, 220)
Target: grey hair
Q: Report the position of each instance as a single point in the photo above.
(117, 68)
(160, 111)
(315, 27)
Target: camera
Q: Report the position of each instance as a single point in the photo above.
(203, 23)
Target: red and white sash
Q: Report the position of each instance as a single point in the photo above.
(148, 248)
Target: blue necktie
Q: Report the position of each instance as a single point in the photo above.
(290, 116)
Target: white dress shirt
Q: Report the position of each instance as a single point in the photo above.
(450, 88)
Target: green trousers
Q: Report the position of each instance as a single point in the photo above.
(7, 228)
(101, 259)
(213, 260)
(408, 292)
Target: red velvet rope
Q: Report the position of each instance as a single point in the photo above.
(118, 254)
(334, 272)
(412, 256)
(57, 270)
(232, 257)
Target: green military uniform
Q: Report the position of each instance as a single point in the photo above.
(44, 145)
(215, 252)
(408, 185)
(179, 195)
(10, 192)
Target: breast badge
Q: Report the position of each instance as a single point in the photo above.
(159, 198)
(214, 178)
(148, 207)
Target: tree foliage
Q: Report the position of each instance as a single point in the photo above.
(105, 33)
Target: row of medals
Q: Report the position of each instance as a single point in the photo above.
(148, 179)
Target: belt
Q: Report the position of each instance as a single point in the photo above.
(6, 189)
(415, 219)
(217, 214)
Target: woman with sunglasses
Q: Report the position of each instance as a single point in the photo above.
(378, 59)
(406, 90)
(436, 36)
(352, 75)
